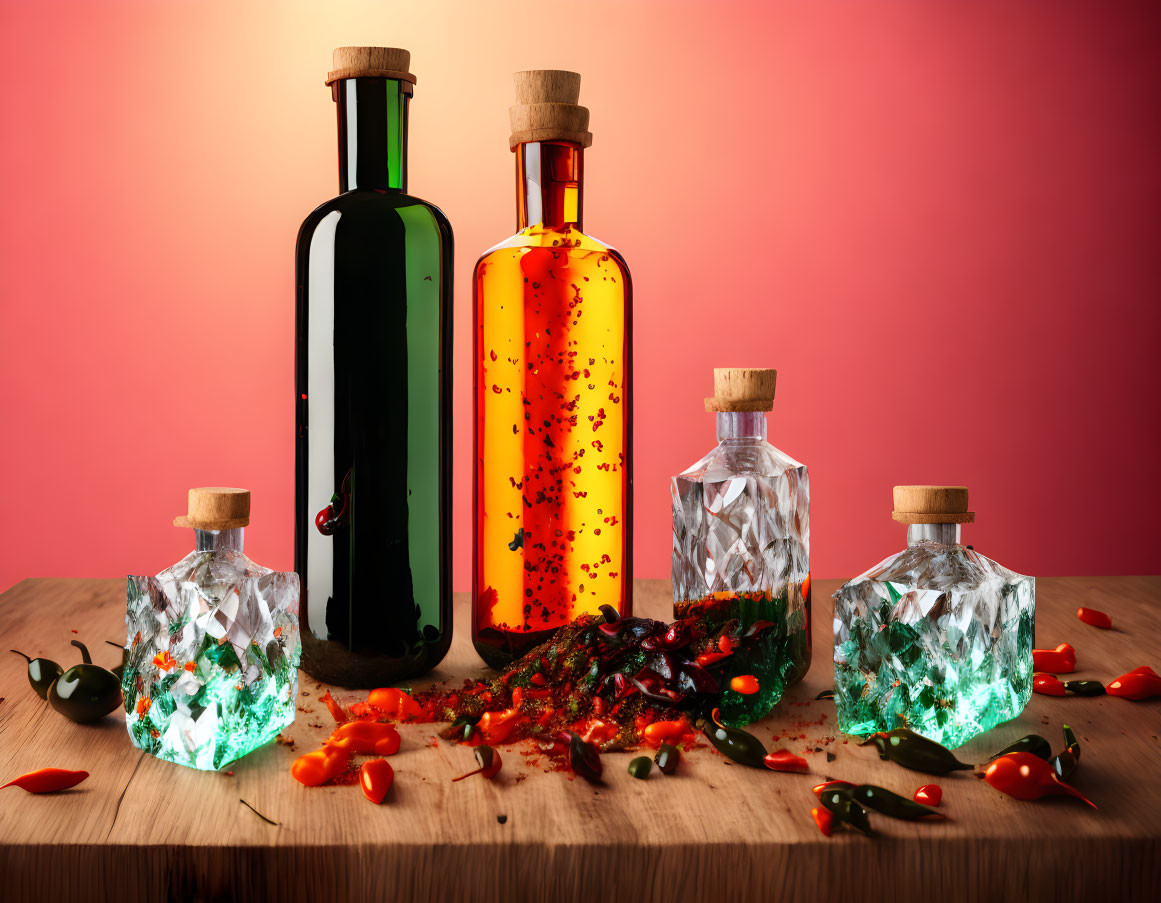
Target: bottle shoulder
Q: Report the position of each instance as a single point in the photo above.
(568, 242)
(930, 566)
(731, 459)
(366, 206)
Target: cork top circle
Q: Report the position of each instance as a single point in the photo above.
(371, 62)
(922, 504)
(216, 508)
(742, 389)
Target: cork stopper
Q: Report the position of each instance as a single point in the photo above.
(932, 505)
(371, 62)
(216, 508)
(547, 108)
(742, 389)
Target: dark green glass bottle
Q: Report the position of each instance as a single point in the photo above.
(373, 398)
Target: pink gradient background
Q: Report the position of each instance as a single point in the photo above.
(939, 221)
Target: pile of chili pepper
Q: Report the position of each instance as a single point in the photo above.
(1027, 770)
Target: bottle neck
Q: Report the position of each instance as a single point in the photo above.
(372, 133)
(220, 540)
(733, 426)
(941, 534)
(549, 177)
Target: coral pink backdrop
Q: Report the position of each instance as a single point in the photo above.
(938, 220)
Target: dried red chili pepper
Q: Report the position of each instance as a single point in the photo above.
(334, 708)
(1061, 660)
(490, 764)
(929, 794)
(784, 760)
(47, 780)
(368, 737)
(376, 778)
(1140, 683)
(746, 684)
(709, 658)
(1024, 776)
(1094, 618)
(824, 819)
(394, 703)
(320, 766)
(1047, 685)
(818, 789)
(670, 732)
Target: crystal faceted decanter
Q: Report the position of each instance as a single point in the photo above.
(937, 638)
(213, 645)
(741, 545)
(553, 467)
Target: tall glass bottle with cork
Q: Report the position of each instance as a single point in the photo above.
(373, 397)
(553, 349)
(741, 550)
(937, 638)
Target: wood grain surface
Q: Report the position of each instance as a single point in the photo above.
(142, 829)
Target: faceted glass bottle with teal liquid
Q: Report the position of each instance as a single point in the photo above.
(741, 549)
(937, 638)
(373, 372)
(211, 670)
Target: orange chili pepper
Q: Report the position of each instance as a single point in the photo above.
(1094, 618)
(320, 766)
(334, 708)
(376, 778)
(1025, 776)
(1061, 660)
(929, 794)
(1140, 683)
(708, 658)
(824, 819)
(164, 661)
(818, 789)
(143, 705)
(785, 760)
(1047, 685)
(369, 737)
(746, 684)
(395, 703)
(665, 732)
(496, 727)
(47, 780)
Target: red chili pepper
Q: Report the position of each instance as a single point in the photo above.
(784, 760)
(1140, 683)
(489, 761)
(1094, 618)
(600, 732)
(824, 820)
(818, 789)
(746, 684)
(368, 737)
(334, 708)
(47, 780)
(395, 703)
(708, 658)
(670, 732)
(1047, 685)
(1061, 660)
(320, 766)
(496, 727)
(929, 794)
(537, 679)
(1025, 776)
(376, 778)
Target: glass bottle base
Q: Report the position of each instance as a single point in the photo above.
(331, 662)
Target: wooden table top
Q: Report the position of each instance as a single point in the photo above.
(142, 829)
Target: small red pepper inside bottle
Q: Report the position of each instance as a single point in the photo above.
(1061, 660)
(1094, 618)
(1140, 683)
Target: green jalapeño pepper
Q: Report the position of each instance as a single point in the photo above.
(1065, 764)
(734, 743)
(85, 692)
(846, 811)
(1033, 743)
(911, 750)
(891, 804)
(41, 673)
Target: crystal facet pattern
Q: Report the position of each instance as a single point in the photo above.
(741, 538)
(938, 639)
(214, 650)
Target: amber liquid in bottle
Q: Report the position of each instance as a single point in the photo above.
(553, 487)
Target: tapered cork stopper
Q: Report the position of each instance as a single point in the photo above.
(547, 108)
(216, 508)
(932, 505)
(742, 389)
(371, 62)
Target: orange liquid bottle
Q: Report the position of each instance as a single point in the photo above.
(553, 485)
